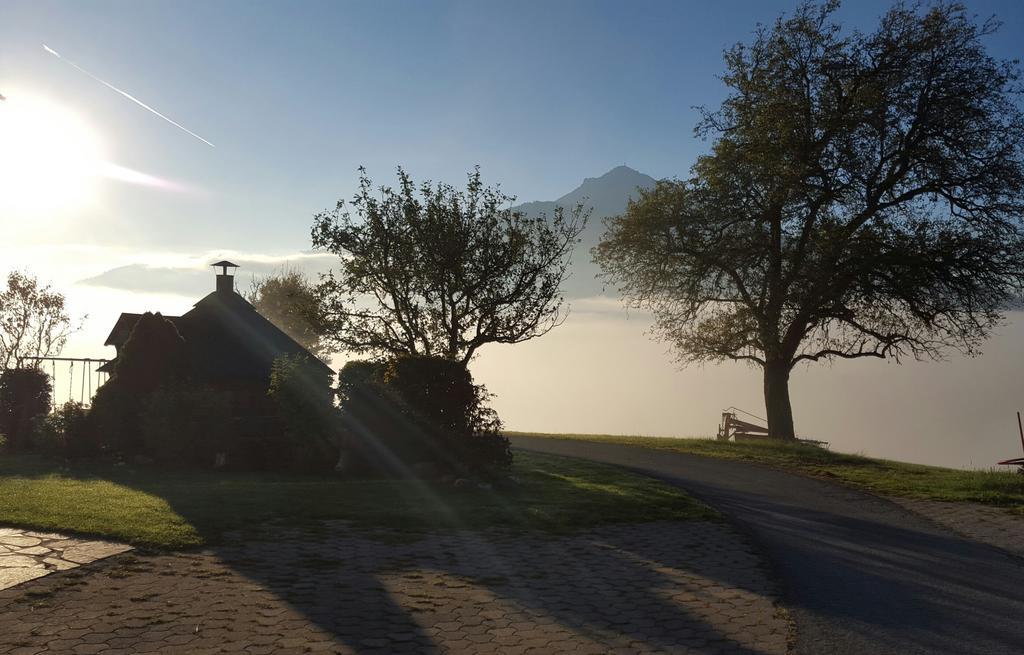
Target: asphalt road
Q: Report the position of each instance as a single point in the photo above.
(860, 575)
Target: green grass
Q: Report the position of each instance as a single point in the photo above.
(992, 487)
(172, 509)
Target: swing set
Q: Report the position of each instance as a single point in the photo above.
(91, 371)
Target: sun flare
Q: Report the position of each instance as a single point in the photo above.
(50, 159)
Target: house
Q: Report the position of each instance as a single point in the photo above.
(231, 346)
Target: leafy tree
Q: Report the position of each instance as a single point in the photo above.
(25, 395)
(862, 198)
(289, 300)
(34, 321)
(436, 271)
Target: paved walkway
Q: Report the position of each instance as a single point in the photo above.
(26, 555)
(686, 587)
(991, 525)
(861, 574)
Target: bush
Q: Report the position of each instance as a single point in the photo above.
(154, 356)
(114, 419)
(444, 402)
(186, 427)
(65, 432)
(413, 409)
(378, 433)
(305, 412)
(25, 395)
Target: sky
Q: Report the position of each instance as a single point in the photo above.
(297, 96)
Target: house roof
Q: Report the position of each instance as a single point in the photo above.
(231, 339)
(226, 338)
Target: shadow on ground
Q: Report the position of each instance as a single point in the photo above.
(859, 573)
(692, 586)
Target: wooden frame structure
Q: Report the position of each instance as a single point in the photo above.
(1016, 461)
(736, 429)
(89, 374)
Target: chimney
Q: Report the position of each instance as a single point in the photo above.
(225, 280)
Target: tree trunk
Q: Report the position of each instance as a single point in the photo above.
(776, 400)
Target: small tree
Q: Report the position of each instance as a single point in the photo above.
(34, 321)
(25, 395)
(289, 300)
(440, 272)
(863, 198)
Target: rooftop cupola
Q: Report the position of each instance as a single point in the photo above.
(225, 279)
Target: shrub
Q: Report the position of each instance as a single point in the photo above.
(378, 434)
(357, 376)
(306, 417)
(444, 401)
(25, 395)
(184, 426)
(65, 432)
(114, 418)
(154, 356)
(415, 409)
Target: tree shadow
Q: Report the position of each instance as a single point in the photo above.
(602, 585)
(664, 585)
(855, 568)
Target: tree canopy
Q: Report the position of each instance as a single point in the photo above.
(34, 321)
(439, 271)
(862, 198)
(289, 300)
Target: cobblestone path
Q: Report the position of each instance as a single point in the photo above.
(689, 587)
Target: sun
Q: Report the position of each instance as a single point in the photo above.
(50, 159)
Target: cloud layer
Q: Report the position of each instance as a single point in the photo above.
(193, 277)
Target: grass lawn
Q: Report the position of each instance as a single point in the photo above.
(171, 509)
(1004, 488)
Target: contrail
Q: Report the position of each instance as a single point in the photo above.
(125, 94)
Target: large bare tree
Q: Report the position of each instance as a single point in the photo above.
(862, 198)
(34, 321)
(435, 270)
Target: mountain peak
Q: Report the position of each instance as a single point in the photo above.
(622, 172)
(604, 196)
(608, 194)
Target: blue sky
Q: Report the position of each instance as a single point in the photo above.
(297, 95)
